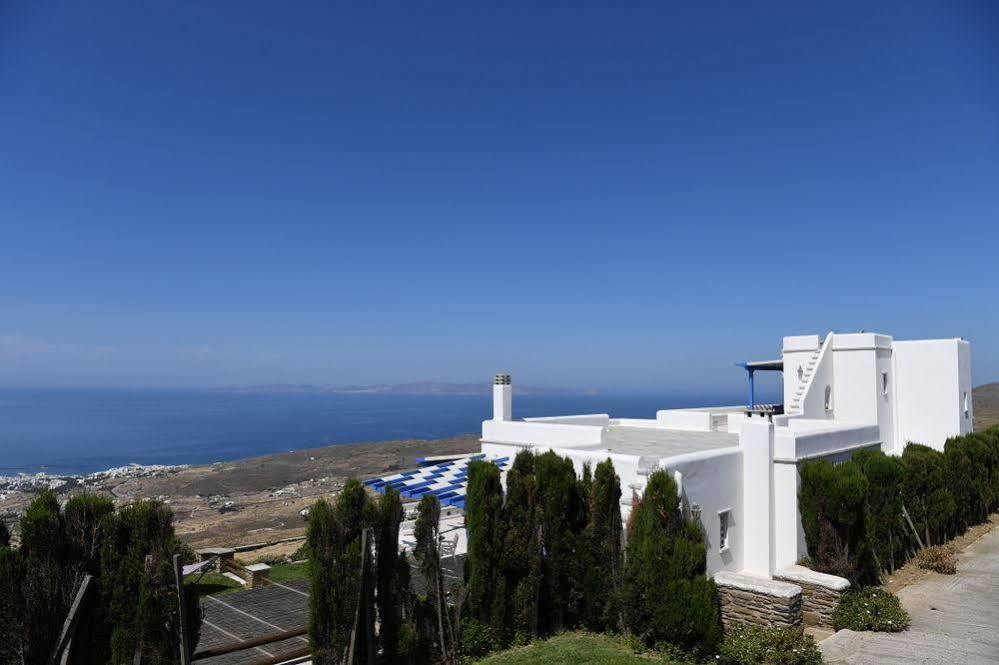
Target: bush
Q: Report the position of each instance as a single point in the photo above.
(833, 505)
(477, 639)
(887, 533)
(939, 558)
(925, 492)
(666, 595)
(870, 608)
(747, 645)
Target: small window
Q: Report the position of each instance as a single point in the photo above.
(884, 383)
(967, 406)
(828, 402)
(723, 518)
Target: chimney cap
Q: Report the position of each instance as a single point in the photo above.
(501, 380)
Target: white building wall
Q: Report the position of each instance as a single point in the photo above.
(856, 377)
(933, 379)
(713, 481)
(757, 443)
(814, 403)
(796, 352)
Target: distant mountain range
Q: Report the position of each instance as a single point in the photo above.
(413, 388)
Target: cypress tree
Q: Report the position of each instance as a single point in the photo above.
(561, 518)
(390, 566)
(520, 555)
(334, 544)
(49, 576)
(604, 556)
(667, 596)
(925, 492)
(483, 519)
(12, 610)
(428, 556)
(88, 518)
(4, 534)
(137, 591)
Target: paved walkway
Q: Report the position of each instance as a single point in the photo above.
(955, 618)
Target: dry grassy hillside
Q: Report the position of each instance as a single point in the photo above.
(986, 405)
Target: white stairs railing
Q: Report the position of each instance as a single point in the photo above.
(805, 379)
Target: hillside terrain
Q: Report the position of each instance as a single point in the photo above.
(986, 405)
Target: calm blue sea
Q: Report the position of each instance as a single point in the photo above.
(80, 431)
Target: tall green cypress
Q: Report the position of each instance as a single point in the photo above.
(603, 556)
(334, 544)
(390, 594)
(428, 557)
(4, 534)
(88, 517)
(520, 556)
(561, 517)
(483, 519)
(12, 610)
(667, 596)
(49, 576)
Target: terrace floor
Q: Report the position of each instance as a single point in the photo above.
(662, 442)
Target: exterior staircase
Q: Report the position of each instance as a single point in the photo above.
(808, 370)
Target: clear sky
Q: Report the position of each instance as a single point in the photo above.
(617, 195)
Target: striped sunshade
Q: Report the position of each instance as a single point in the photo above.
(448, 480)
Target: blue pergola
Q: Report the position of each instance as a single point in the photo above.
(762, 366)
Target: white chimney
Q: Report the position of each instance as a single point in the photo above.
(502, 398)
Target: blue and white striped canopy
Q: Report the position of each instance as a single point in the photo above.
(448, 480)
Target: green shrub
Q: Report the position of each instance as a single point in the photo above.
(870, 608)
(665, 594)
(748, 645)
(939, 558)
(887, 533)
(833, 505)
(477, 639)
(925, 492)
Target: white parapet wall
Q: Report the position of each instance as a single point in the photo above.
(712, 480)
(554, 434)
(597, 419)
(707, 419)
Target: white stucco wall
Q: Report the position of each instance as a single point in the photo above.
(713, 480)
(814, 400)
(932, 377)
(796, 352)
(597, 419)
(555, 434)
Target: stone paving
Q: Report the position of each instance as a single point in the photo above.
(955, 618)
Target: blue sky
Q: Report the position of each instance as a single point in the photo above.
(616, 195)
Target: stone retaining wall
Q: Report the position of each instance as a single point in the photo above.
(820, 593)
(758, 601)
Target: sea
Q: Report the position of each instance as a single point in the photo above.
(83, 431)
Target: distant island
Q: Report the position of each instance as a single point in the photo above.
(413, 388)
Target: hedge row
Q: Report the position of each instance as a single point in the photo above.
(547, 555)
(867, 516)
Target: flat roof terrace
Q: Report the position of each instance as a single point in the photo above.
(652, 441)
